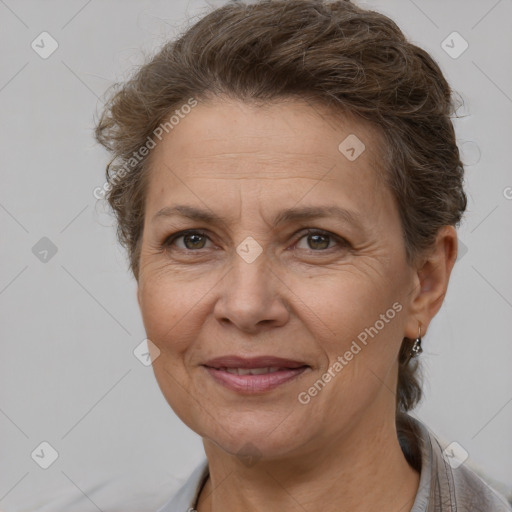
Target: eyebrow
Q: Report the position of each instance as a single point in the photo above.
(289, 215)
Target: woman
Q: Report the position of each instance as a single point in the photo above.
(287, 183)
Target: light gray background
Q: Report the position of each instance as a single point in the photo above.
(69, 326)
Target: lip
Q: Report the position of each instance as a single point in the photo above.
(233, 361)
(254, 384)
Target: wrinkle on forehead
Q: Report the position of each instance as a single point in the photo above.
(292, 114)
(279, 142)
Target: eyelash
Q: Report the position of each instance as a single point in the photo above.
(339, 240)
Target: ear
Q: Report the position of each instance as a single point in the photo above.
(431, 282)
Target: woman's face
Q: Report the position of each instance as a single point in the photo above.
(266, 273)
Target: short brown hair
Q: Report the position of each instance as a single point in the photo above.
(347, 58)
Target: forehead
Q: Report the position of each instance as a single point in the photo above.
(281, 143)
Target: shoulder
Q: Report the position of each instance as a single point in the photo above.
(469, 492)
(185, 498)
(473, 493)
(449, 484)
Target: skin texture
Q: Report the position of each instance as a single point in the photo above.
(302, 298)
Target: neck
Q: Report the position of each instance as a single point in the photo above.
(363, 470)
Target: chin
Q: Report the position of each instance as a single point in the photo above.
(257, 440)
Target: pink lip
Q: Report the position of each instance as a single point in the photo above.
(250, 384)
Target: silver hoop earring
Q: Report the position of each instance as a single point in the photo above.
(416, 349)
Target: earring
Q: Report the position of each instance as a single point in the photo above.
(416, 349)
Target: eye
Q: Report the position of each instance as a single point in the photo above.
(318, 240)
(191, 240)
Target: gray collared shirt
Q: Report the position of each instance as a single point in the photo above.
(445, 486)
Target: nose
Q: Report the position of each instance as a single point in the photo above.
(252, 297)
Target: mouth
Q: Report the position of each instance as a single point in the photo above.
(254, 375)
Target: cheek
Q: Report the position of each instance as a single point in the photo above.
(341, 304)
(164, 307)
(354, 318)
(174, 311)
(168, 320)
